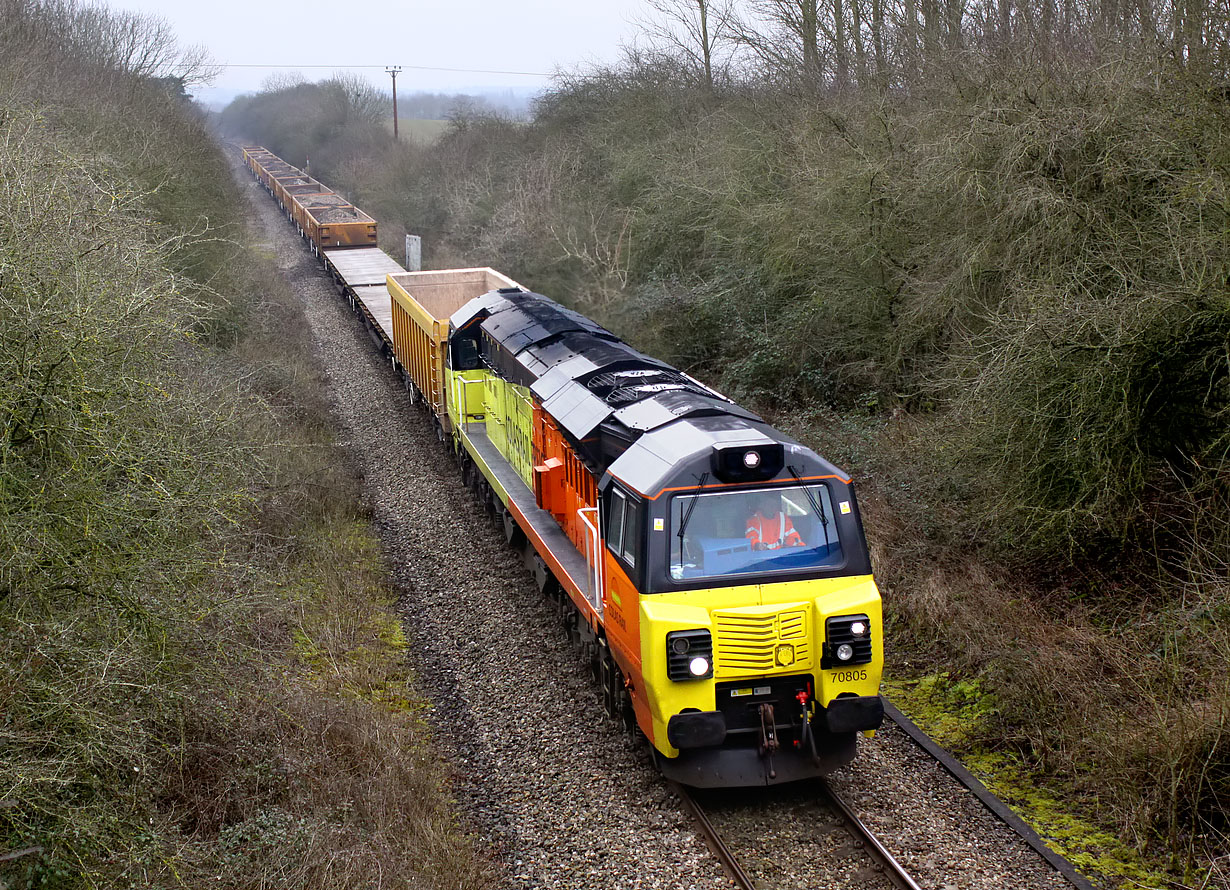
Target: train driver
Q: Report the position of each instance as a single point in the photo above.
(769, 528)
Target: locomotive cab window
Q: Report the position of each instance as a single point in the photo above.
(623, 534)
(465, 354)
(632, 533)
(753, 532)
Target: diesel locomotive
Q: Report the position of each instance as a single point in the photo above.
(715, 568)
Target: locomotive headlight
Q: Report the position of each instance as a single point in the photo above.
(847, 641)
(689, 654)
(751, 459)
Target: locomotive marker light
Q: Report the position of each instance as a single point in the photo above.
(699, 666)
(848, 641)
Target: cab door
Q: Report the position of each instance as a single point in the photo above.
(623, 553)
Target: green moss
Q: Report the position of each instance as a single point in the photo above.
(360, 655)
(958, 714)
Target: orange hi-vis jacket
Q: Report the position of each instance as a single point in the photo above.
(773, 531)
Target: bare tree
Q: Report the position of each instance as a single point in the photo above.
(282, 80)
(704, 33)
(789, 38)
(99, 43)
(355, 100)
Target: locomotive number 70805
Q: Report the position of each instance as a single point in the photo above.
(847, 676)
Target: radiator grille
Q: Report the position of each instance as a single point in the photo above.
(759, 640)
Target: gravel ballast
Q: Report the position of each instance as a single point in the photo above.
(561, 796)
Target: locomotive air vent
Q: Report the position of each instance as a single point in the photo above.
(625, 387)
(625, 394)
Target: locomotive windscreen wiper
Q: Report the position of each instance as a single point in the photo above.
(704, 477)
(811, 499)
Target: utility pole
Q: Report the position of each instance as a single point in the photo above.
(393, 69)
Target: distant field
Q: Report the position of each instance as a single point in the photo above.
(424, 132)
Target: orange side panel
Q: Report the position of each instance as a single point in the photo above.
(622, 617)
(549, 465)
(622, 607)
(564, 484)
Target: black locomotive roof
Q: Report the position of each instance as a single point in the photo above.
(532, 318)
(642, 418)
(578, 350)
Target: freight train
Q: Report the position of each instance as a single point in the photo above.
(714, 569)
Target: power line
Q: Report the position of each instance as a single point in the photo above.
(408, 67)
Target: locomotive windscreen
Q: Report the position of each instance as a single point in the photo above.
(763, 531)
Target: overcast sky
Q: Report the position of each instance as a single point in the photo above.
(536, 36)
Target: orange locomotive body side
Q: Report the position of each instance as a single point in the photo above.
(622, 621)
(565, 485)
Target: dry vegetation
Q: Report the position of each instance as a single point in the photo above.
(976, 252)
(200, 681)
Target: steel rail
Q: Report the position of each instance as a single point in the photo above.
(1001, 810)
(892, 868)
(713, 840)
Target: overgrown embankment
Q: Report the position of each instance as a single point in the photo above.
(200, 680)
(999, 297)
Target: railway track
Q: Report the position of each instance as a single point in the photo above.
(782, 808)
(830, 812)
